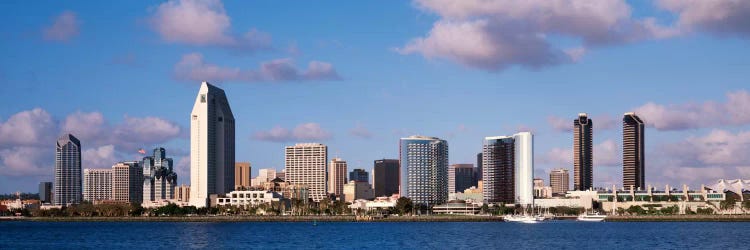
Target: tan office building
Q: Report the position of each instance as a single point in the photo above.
(182, 193)
(242, 175)
(127, 182)
(559, 181)
(336, 176)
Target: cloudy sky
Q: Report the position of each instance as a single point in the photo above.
(359, 75)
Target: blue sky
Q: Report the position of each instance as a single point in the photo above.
(357, 76)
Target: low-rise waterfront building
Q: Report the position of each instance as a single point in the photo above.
(457, 207)
(475, 198)
(248, 198)
(382, 203)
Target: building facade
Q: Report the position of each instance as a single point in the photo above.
(45, 192)
(583, 153)
(211, 145)
(266, 174)
(385, 177)
(305, 164)
(97, 184)
(460, 177)
(182, 193)
(524, 164)
(478, 170)
(498, 171)
(127, 182)
(360, 175)
(559, 181)
(242, 175)
(248, 198)
(336, 176)
(159, 178)
(633, 155)
(68, 184)
(424, 170)
(357, 190)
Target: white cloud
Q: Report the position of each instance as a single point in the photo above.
(495, 35)
(698, 115)
(203, 22)
(303, 132)
(718, 148)
(722, 17)
(28, 128)
(99, 157)
(607, 153)
(27, 161)
(65, 27)
(193, 68)
(360, 131)
(560, 124)
(85, 126)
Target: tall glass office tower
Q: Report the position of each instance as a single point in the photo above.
(68, 184)
(424, 169)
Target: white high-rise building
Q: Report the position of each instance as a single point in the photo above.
(266, 174)
(211, 145)
(97, 184)
(306, 165)
(336, 176)
(524, 168)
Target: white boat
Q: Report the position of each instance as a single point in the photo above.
(592, 217)
(522, 218)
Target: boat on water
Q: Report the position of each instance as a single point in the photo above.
(591, 217)
(523, 218)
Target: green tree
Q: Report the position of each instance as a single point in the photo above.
(636, 210)
(728, 203)
(620, 211)
(404, 205)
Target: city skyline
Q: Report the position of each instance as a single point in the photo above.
(696, 133)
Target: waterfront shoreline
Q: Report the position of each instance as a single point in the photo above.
(681, 218)
(678, 218)
(259, 219)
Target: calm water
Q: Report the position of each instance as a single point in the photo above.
(431, 235)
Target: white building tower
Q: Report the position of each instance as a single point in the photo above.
(524, 168)
(211, 145)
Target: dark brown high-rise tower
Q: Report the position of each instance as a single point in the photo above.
(633, 155)
(583, 153)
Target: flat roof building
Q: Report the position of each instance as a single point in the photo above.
(305, 164)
